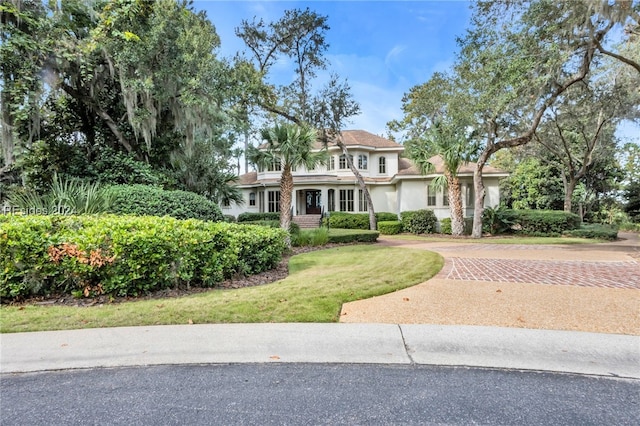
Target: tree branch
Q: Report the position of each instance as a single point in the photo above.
(618, 57)
(87, 100)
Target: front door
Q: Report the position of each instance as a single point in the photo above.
(314, 205)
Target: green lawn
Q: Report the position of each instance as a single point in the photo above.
(318, 284)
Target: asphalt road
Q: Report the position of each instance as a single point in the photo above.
(298, 394)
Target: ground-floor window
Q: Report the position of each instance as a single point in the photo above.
(331, 202)
(252, 199)
(362, 201)
(274, 201)
(470, 196)
(431, 196)
(445, 197)
(346, 200)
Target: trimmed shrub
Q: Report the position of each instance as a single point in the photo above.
(419, 221)
(252, 217)
(144, 200)
(445, 226)
(229, 218)
(344, 220)
(267, 223)
(342, 236)
(595, 231)
(390, 227)
(540, 222)
(127, 255)
(386, 217)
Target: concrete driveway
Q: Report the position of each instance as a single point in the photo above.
(591, 287)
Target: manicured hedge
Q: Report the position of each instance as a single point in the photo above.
(146, 200)
(127, 255)
(390, 227)
(419, 221)
(539, 222)
(386, 217)
(352, 236)
(344, 220)
(600, 232)
(252, 217)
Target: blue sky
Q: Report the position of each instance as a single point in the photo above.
(382, 48)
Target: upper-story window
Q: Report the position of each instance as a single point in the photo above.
(274, 166)
(342, 162)
(362, 162)
(332, 163)
(382, 165)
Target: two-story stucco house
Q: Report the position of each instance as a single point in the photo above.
(394, 182)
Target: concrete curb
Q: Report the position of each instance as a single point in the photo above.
(494, 347)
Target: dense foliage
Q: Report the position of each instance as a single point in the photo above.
(597, 231)
(390, 227)
(118, 92)
(144, 200)
(530, 222)
(345, 236)
(419, 221)
(126, 255)
(345, 220)
(251, 217)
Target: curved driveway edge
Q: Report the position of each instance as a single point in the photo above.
(494, 347)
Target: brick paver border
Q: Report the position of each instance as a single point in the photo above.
(579, 273)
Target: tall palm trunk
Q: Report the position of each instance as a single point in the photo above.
(455, 203)
(286, 191)
(373, 225)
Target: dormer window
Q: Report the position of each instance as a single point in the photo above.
(362, 162)
(382, 165)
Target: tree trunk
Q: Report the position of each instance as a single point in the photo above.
(569, 187)
(7, 132)
(455, 205)
(493, 147)
(286, 190)
(479, 192)
(373, 225)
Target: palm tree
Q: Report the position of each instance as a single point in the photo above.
(456, 147)
(293, 146)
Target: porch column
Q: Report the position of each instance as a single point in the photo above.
(294, 202)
